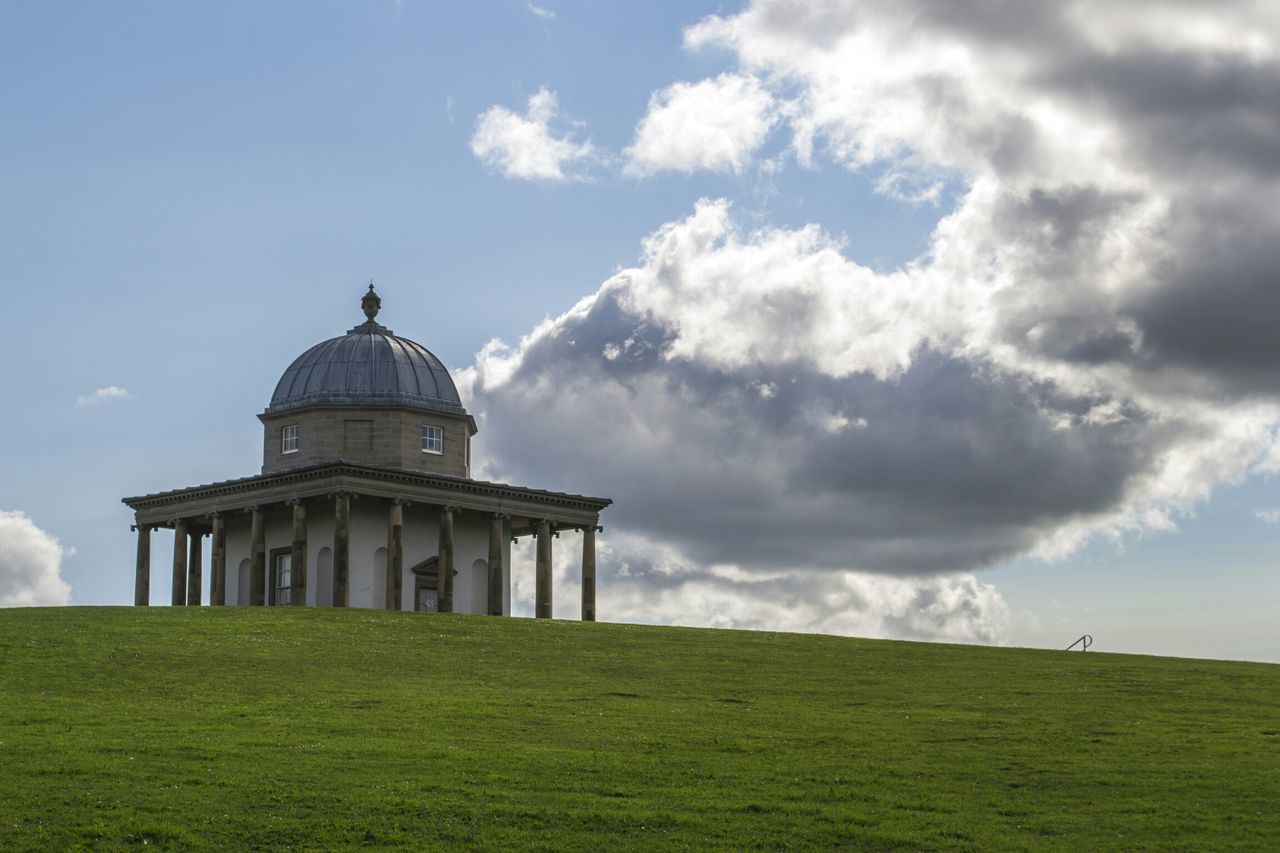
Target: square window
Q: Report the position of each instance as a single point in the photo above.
(289, 439)
(432, 439)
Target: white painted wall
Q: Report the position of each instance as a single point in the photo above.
(366, 573)
(368, 534)
(320, 524)
(236, 525)
(421, 542)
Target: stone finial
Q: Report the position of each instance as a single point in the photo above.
(371, 303)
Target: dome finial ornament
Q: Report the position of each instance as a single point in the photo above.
(371, 303)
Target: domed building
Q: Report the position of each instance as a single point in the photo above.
(365, 498)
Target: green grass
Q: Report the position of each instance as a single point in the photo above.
(263, 728)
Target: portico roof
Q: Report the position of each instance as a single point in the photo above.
(393, 483)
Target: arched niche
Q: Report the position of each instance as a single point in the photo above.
(243, 578)
(324, 577)
(480, 586)
(378, 585)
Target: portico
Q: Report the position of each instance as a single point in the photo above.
(323, 496)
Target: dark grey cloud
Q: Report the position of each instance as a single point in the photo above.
(1215, 308)
(1183, 111)
(948, 467)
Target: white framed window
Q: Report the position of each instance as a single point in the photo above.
(432, 439)
(289, 439)
(282, 579)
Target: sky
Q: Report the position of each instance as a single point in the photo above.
(924, 320)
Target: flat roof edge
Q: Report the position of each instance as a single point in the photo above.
(312, 472)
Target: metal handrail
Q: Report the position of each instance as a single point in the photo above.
(1084, 643)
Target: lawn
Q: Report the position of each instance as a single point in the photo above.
(289, 728)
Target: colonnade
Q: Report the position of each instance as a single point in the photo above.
(188, 536)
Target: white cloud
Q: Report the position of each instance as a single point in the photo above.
(524, 146)
(1268, 516)
(30, 560)
(539, 11)
(643, 581)
(939, 609)
(673, 590)
(102, 395)
(714, 125)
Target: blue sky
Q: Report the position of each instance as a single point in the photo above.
(196, 193)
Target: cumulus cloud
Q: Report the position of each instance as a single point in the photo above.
(30, 560)
(1268, 516)
(643, 580)
(646, 584)
(714, 124)
(524, 146)
(102, 395)
(1120, 166)
(875, 448)
(1087, 348)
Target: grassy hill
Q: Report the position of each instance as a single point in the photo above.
(320, 728)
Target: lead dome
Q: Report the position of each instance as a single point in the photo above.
(368, 366)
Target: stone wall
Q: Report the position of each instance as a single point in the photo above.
(372, 436)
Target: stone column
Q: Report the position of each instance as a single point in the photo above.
(195, 568)
(495, 565)
(444, 591)
(341, 547)
(395, 554)
(179, 595)
(218, 557)
(257, 559)
(298, 559)
(542, 604)
(142, 574)
(589, 573)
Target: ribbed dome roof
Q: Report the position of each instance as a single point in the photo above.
(368, 366)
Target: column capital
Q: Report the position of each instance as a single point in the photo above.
(401, 502)
(294, 502)
(502, 516)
